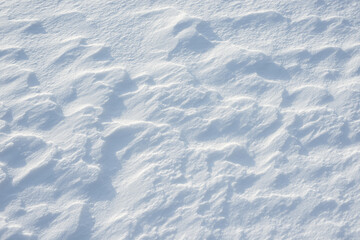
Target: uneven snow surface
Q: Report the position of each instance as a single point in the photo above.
(180, 119)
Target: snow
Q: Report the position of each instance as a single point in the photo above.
(179, 119)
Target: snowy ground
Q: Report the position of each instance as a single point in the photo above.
(180, 119)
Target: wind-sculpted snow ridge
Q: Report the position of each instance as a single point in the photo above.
(179, 120)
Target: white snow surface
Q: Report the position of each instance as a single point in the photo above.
(176, 119)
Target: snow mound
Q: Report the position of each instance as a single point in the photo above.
(179, 120)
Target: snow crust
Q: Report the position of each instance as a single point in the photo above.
(180, 119)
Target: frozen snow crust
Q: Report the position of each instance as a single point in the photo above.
(180, 119)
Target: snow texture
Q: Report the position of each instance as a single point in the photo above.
(176, 119)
